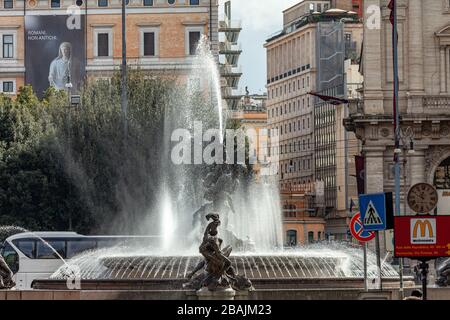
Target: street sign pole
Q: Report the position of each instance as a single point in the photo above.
(366, 286)
(424, 267)
(377, 243)
(402, 290)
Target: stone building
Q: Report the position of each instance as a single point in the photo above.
(424, 96)
(312, 144)
(251, 113)
(160, 35)
(229, 54)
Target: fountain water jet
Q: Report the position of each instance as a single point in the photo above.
(255, 213)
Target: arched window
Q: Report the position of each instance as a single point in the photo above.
(442, 175)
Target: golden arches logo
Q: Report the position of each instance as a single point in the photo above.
(423, 226)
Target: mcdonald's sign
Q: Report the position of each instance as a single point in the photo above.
(422, 236)
(423, 231)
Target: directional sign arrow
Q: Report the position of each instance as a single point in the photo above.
(448, 246)
(448, 252)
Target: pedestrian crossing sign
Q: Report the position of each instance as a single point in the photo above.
(372, 217)
(376, 211)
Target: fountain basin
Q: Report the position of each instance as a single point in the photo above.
(273, 271)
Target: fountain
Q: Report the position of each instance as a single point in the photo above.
(251, 223)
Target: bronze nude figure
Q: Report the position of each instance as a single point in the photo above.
(217, 271)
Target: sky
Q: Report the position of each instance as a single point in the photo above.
(259, 18)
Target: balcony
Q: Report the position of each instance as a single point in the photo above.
(231, 29)
(231, 52)
(231, 74)
(232, 97)
(436, 104)
(429, 105)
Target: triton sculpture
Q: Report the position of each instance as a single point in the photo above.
(217, 272)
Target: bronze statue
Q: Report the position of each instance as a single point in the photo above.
(217, 271)
(6, 275)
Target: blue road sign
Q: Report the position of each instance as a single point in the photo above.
(373, 211)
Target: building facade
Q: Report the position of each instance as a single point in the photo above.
(334, 148)
(312, 144)
(290, 76)
(301, 224)
(160, 35)
(424, 97)
(229, 53)
(251, 114)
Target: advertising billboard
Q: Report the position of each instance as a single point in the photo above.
(55, 52)
(422, 236)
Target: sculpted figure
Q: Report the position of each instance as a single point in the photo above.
(6, 281)
(217, 271)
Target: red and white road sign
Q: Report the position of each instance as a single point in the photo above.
(357, 229)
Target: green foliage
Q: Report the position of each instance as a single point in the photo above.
(34, 190)
(88, 168)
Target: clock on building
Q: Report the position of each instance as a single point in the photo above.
(422, 198)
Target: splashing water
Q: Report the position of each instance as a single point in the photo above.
(168, 225)
(206, 64)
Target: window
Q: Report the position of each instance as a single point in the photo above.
(103, 44)
(8, 87)
(194, 38)
(8, 4)
(149, 43)
(55, 3)
(348, 37)
(8, 46)
(11, 257)
(47, 251)
(27, 247)
(170, 1)
(148, 3)
(319, 7)
(291, 238)
(102, 3)
(194, 2)
(75, 247)
(310, 237)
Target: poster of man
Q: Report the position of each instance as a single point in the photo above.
(55, 54)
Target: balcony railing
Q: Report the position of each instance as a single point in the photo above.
(437, 103)
(228, 47)
(228, 70)
(230, 24)
(299, 188)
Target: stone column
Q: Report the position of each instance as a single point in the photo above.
(447, 63)
(373, 54)
(442, 69)
(374, 170)
(417, 167)
(375, 183)
(416, 60)
(415, 173)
